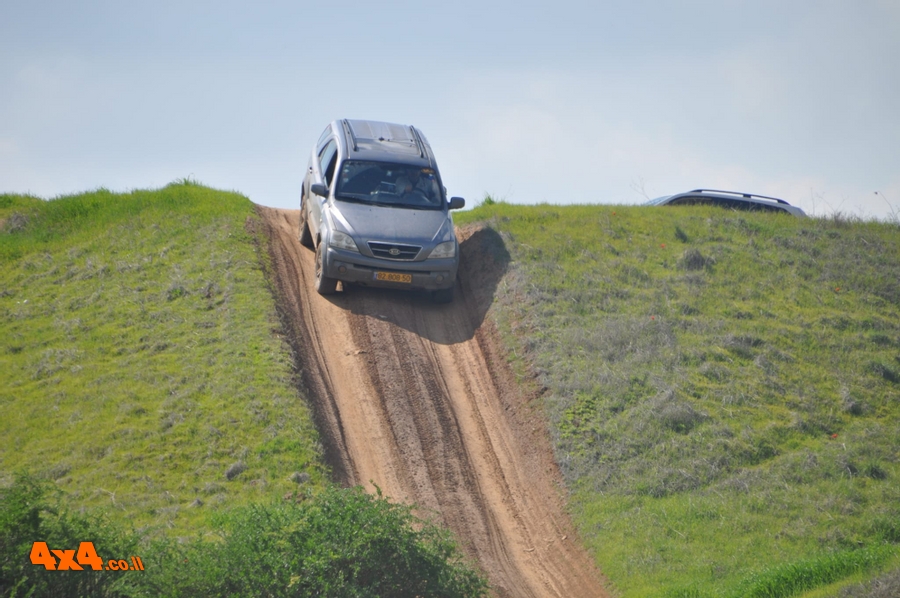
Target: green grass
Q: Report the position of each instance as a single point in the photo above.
(882, 586)
(794, 577)
(723, 388)
(140, 356)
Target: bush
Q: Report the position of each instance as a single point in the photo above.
(27, 515)
(342, 543)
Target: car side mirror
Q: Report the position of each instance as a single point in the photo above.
(319, 189)
(457, 203)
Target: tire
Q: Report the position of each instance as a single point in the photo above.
(324, 285)
(442, 295)
(305, 236)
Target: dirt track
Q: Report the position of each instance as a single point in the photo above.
(417, 398)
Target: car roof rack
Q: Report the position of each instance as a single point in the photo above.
(746, 195)
(418, 141)
(348, 130)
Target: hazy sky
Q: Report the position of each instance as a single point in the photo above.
(561, 102)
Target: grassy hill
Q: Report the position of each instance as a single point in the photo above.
(723, 389)
(147, 404)
(138, 362)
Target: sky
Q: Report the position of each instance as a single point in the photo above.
(559, 102)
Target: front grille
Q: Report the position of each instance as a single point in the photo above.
(394, 251)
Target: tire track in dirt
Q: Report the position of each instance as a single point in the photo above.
(417, 399)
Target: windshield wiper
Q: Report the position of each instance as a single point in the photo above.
(367, 200)
(413, 206)
(353, 198)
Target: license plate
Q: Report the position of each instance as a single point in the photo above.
(393, 277)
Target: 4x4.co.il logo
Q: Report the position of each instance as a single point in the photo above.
(86, 556)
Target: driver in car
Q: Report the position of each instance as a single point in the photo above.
(414, 182)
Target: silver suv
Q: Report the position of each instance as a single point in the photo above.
(728, 199)
(376, 212)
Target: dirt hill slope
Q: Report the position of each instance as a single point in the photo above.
(417, 399)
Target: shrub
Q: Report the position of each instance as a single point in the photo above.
(28, 514)
(340, 543)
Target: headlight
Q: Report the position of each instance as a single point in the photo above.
(342, 241)
(444, 250)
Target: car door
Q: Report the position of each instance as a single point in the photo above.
(312, 166)
(323, 172)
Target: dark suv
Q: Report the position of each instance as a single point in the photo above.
(376, 212)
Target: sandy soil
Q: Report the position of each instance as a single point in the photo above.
(418, 399)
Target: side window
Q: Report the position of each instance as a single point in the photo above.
(324, 136)
(327, 161)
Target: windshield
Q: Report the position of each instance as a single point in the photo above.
(397, 185)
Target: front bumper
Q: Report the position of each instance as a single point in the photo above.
(429, 275)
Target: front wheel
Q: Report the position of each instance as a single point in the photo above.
(305, 236)
(324, 285)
